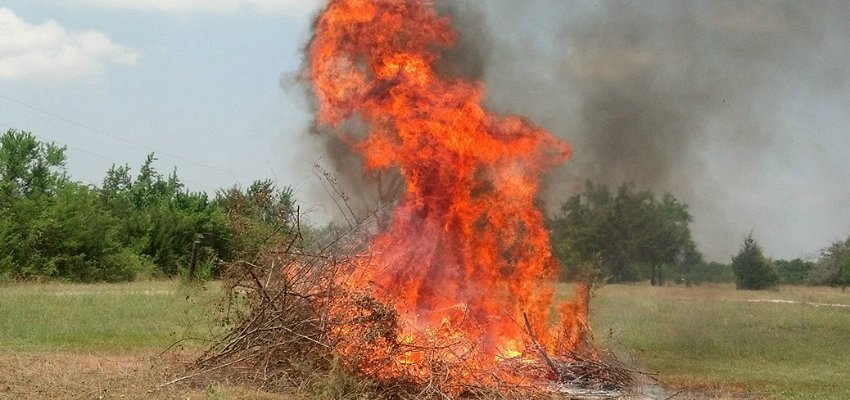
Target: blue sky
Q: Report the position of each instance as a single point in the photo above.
(210, 87)
(199, 84)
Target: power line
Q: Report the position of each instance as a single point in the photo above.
(116, 162)
(113, 136)
(93, 154)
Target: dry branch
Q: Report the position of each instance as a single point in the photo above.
(540, 348)
(294, 319)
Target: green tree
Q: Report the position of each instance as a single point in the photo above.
(114, 192)
(54, 228)
(667, 237)
(177, 223)
(163, 222)
(29, 168)
(793, 272)
(50, 227)
(259, 217)
(752, 270)
(601, 235)
(31, 172)
(692, 261)
(74, 238)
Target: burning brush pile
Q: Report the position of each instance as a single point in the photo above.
(454, 296)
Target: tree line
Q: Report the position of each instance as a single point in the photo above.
(629, 235)
(147, 224)
(138, 225)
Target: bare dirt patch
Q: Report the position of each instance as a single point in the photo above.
(89, 376)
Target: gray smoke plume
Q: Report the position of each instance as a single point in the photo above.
(725, 104)
(646, 78)
(688, 97)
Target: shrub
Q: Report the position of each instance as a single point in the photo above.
(752, 270)
(258, 218)
(833, 266)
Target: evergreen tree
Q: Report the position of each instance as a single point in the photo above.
(752, 270)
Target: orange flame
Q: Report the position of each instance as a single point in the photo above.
(466, 253)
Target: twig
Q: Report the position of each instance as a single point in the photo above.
(250, 268)
(539, 347)
(190, 376)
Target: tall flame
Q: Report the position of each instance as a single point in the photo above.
(466, 251)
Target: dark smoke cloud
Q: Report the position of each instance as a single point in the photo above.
(636, 82)
(470, 56)
(688, 97)
(679, 96)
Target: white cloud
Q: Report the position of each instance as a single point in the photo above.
(284, 7)
(49, 50)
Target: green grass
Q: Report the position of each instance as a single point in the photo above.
(709, 336)
(111, 318)
(715, 336)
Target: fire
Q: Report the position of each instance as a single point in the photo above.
(466, 255)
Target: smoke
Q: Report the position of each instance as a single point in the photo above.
(471, 55)
(706, 100)
(678, 96)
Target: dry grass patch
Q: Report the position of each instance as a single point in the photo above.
(92, 376)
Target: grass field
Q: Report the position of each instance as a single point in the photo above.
(106, 341)
(715, 336)
(110, 318)
(711, 337)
